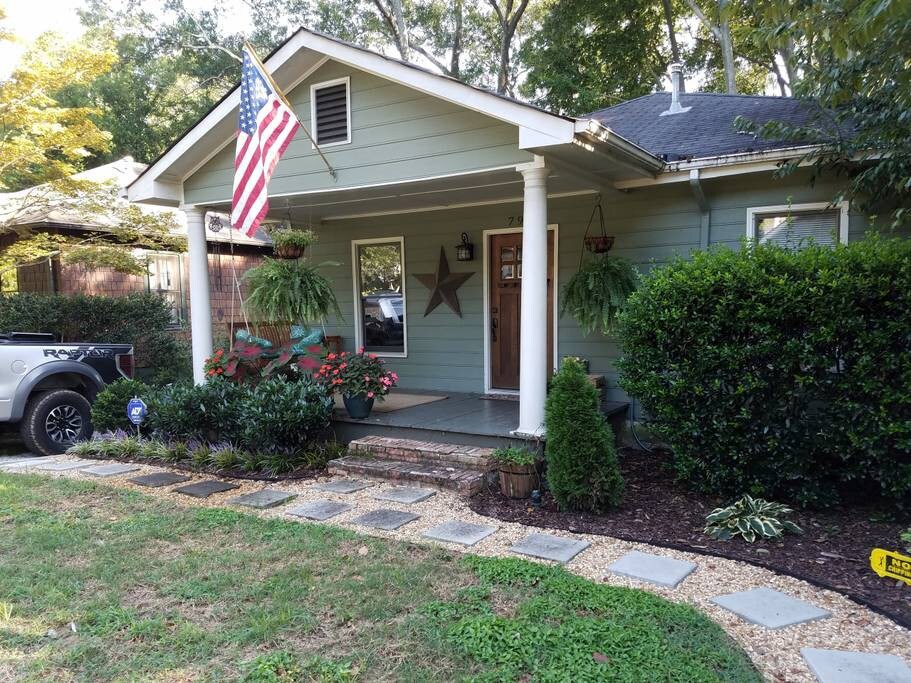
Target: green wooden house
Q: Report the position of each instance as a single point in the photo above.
(422, 159)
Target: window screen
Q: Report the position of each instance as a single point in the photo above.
(331, 111)
(796, 228)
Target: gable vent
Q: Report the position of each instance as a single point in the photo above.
(330, 111)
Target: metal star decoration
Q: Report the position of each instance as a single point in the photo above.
(443, 285)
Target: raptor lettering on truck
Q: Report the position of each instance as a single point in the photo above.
(78, 353)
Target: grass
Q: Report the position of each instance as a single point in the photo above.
(159, 592)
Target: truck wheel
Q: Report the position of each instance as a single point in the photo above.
(55, 420)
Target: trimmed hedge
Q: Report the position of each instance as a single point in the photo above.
(109, 411)
(141, 319)
(582, 469)
(779, 373)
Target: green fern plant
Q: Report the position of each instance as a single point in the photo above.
(290, 291)
(750, 518)
(596, 294)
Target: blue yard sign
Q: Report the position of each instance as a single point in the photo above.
(136, 410)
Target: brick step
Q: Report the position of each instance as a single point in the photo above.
(464, 480)
(423, 452)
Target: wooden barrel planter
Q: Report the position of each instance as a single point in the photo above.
(518, 481)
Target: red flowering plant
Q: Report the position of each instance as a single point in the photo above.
(249, 363)
(356, 374)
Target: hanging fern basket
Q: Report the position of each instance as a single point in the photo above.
(597, 244)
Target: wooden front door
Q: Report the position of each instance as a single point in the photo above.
(505, 307)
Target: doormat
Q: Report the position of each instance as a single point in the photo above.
(499, 397)
(397, 400)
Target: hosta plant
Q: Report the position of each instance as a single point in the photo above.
(750, 518)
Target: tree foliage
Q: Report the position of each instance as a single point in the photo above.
(590, 54)
(853, 60)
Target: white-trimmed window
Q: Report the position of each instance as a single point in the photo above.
(379, 296)
(792, 225)
(166, 279)
(330, 112)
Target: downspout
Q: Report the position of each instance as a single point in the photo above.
(704, 208)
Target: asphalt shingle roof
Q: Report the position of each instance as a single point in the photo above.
(707, 129)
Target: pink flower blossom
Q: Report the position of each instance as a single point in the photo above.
(369, 394)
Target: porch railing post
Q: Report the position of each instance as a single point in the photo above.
(533, 331)
(200, 305)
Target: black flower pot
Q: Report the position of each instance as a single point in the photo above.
(359, 406)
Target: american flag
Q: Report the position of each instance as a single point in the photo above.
(265, 125)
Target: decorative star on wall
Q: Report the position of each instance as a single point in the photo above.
(443, 285)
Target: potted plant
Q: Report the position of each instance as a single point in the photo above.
(290, 243)
(360, 378)
(518, 471)
(290, 291)
(596, 294)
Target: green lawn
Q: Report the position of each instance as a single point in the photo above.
(159, 592)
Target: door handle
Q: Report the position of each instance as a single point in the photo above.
(493, 329)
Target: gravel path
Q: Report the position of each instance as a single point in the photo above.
(776, 653)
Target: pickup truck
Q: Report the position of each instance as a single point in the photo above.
(48, 388)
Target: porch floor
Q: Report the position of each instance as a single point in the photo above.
(461, 418)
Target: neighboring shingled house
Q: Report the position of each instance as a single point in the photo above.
(167, 270)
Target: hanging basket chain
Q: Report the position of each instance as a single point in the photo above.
(597, 244)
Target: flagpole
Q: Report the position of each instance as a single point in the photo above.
(281, 95)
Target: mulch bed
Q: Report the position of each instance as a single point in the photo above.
(834, 551)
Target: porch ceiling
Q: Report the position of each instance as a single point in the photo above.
(488, 187)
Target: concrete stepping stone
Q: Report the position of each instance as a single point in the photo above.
(204, 489)
(549, 547)
(320, 510)
(343, 486)
(663, 571)
(387, 520)
(21, 463)
(267, 498)
(109, 470)
(13, 459)
(770, 608)
(842, 666)
(405, 494)
(156, 479)
(463, 533)
(54, 466)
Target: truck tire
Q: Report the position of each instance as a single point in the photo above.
(55, 420)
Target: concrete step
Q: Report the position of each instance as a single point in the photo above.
(452, 476)
(422, 452)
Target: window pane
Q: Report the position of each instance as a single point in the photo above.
(382, 297)
(797, 228)
(164, 279)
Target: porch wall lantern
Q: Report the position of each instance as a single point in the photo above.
(465, 250)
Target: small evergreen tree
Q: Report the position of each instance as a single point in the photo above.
(582, 468)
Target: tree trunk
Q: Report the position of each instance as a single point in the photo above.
(671, 34)
(727, 49)
(455, 66)
(401, 29)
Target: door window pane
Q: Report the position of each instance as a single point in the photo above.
(382, 297)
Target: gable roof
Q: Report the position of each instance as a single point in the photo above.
(305, 50)
(707, 129)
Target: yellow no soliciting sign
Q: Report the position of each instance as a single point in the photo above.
(891, 564)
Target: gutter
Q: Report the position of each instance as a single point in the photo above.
(598, 132)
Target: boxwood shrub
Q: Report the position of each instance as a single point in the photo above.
(779, 373)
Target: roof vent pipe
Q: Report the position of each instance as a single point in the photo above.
(676, 73)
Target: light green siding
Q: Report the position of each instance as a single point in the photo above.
(397, 134)
(651, 225)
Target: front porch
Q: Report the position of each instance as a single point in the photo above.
(461, 418)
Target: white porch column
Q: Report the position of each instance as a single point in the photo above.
(533, 332)
(200, 307)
